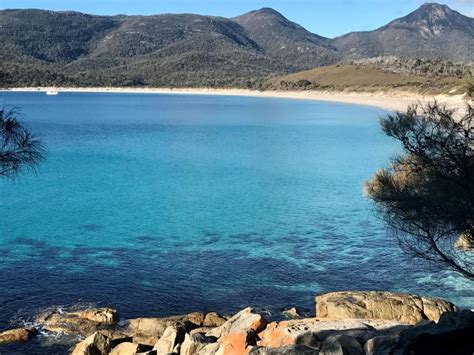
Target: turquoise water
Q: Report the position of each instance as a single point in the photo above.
(162, 204)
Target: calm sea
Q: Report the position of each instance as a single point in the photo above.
(165, 204)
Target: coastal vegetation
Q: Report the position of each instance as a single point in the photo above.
(20, 150)
(426, 196)
(383, 74)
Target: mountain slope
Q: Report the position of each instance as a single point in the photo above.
(50, 36)
(286, 40)
(162, 50)
(432, 31)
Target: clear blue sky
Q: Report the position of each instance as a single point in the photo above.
(325, 17)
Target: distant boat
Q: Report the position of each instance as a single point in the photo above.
(50, 92)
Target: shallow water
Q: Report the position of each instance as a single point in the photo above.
(165, 204)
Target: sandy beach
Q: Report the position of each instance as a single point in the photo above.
(393, 101)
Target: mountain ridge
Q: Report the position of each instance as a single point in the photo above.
(42, 47)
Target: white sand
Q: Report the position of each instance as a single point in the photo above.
(395, 101)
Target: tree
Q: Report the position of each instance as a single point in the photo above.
(426, 196)
(19, 149)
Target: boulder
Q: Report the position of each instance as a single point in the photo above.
(83, 322)
(17, 335)
(310, 332)
(116, 337)
(128, 348)
(243, 321)
(210, 349)
(98, 315)
(96, 344)
(404, 308)
(171, 340)
(291, 313)
(453, 330)
(313, 332)
(213, 319)
(195, 343)
(340, 344)
(149, 330)
(381, 345)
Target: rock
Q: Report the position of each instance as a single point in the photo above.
(381, 345)
(284, 350)
(213, 319)
(291, 313)
(400, 307)
(210, 349)
(96, 344)
(202, 330)
(149, 330)
(452, 329)
(195, 343)
(116, 337)
(451, 332)
(458, 341)
(310, 331)
(83, 322)
(99, 315)
(243, 321)
(341, 345)
(17, 335)
(128, 348)
(171, 340)
(236, 342)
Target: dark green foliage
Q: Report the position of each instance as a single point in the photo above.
(19, 149)
(43, 48)
(288, 41)
(427, 195)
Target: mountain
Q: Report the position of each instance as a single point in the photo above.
(432, 31)
(46, 48)
(286, 40)
(42, 48)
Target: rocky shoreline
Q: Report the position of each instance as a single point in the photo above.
(369, 322)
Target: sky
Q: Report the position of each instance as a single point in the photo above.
(328, 18)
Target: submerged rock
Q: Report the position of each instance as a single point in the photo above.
(400, 307)
(82, 322)
(17, 335)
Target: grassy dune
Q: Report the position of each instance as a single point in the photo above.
(360, 78)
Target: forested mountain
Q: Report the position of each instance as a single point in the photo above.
(433, 31)
(286, 40)
(42, 48)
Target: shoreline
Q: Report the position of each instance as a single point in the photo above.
(392, 101)
(382, 322)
